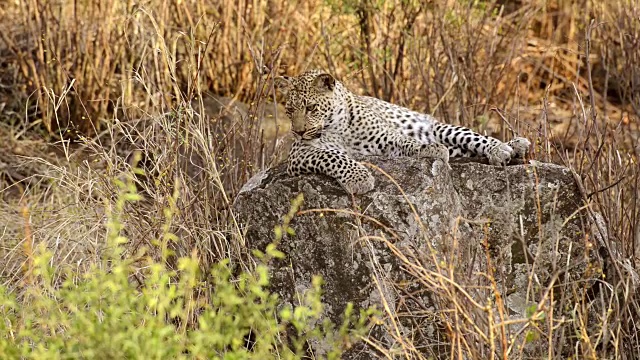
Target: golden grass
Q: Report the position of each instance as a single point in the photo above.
(110, 71)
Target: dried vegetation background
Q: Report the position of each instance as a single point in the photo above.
(85, 83)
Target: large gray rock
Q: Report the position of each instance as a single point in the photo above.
(440, 249)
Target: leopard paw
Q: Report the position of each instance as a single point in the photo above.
(500, 154)
(359, 185)
(520, 146)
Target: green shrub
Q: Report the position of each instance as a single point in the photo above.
(104, 314)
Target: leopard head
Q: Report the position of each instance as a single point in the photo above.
(308, 101)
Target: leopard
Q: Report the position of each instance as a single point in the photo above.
(334, 127)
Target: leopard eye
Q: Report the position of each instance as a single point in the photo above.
(312, 107)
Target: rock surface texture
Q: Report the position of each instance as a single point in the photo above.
(435, 252)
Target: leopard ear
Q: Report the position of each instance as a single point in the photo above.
(283, 84)
(324, 82)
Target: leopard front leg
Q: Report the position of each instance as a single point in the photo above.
(462, 141)
(352, 176)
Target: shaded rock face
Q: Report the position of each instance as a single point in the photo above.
(464, 224)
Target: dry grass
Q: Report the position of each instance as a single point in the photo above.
(113, 72)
